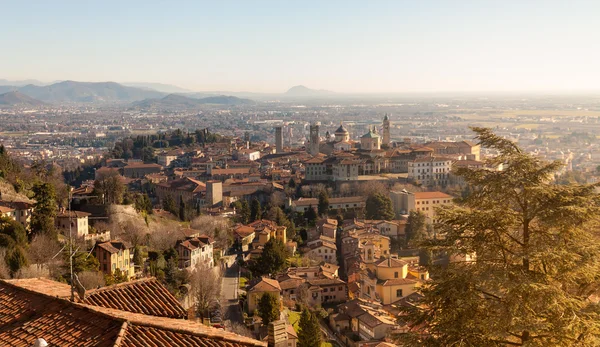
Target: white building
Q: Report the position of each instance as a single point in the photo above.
(194, 251)
(430, 171)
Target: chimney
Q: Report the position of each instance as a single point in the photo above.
(277, 336)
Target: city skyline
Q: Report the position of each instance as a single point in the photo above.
(346, 47)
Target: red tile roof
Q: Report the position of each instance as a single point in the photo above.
(26, 315)
(431, 195)
(145, 296)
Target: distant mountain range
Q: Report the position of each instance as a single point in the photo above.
(71, 91)
(4, 82)
(16, 98)
(178, 100)
(112, 92)
(159, 87)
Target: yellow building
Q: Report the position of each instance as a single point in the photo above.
(389, 280)
(113, 255)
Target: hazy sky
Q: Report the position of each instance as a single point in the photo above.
(345, 46)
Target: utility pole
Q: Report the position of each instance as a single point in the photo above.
(71, 249)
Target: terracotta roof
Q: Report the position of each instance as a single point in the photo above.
(4, 209)
(146, 296)
(142, 165)
(186, 184)
(26, 315)
(431, 195)
(399, 281)
(432, 159)
(73, 214)
(243, 231)
(266, 285)
(112, 246)
(390, 262)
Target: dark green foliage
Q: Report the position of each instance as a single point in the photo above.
(143, 203)
(292, 183)
(44, 212)
(169, 205)
(15, 259)
(272, 260)
(268, 308)
(255, 210)
(310, 215)
(242, 211)
(379, 206)
(310, 331)
(323, 203)
(415, 227)
(115, 278)
(13, 230)
(537, 260)
(182, 214)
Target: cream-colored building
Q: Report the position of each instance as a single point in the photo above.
(255, 292)
(430, 171)
(425, 202)
(77, 221)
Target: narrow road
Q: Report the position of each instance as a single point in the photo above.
(229, 295)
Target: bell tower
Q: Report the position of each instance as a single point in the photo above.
(386, 130)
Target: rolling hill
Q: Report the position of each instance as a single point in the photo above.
(181, 101)
(71, 91)
(16, 98)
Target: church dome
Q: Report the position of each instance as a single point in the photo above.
(341, 130)
(370, 134)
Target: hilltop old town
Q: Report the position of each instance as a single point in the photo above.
(223, 237)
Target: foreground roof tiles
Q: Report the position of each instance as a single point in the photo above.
(28, 313)
(145, 296)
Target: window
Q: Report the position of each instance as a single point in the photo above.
(396, 274)
(399, 293)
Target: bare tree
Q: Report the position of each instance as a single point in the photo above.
(206, 288)
(163, 237)
(241, 329)
(219, 228)
(373, 187)
(91, 279)
(43, 249)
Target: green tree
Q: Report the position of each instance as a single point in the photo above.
(143, 203)
(110, 188)
(15, 259)
(310, 215)
(169, 205)
(44, 210)
(323, 206)
(415, 227)
(272, 260)
(268, 308)
(309, 334)
(379, 206)
(292, 183)
(536, 261)
(242, 211)
(182, 214)
(255, 210)
(115, 278)
(12, 233)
